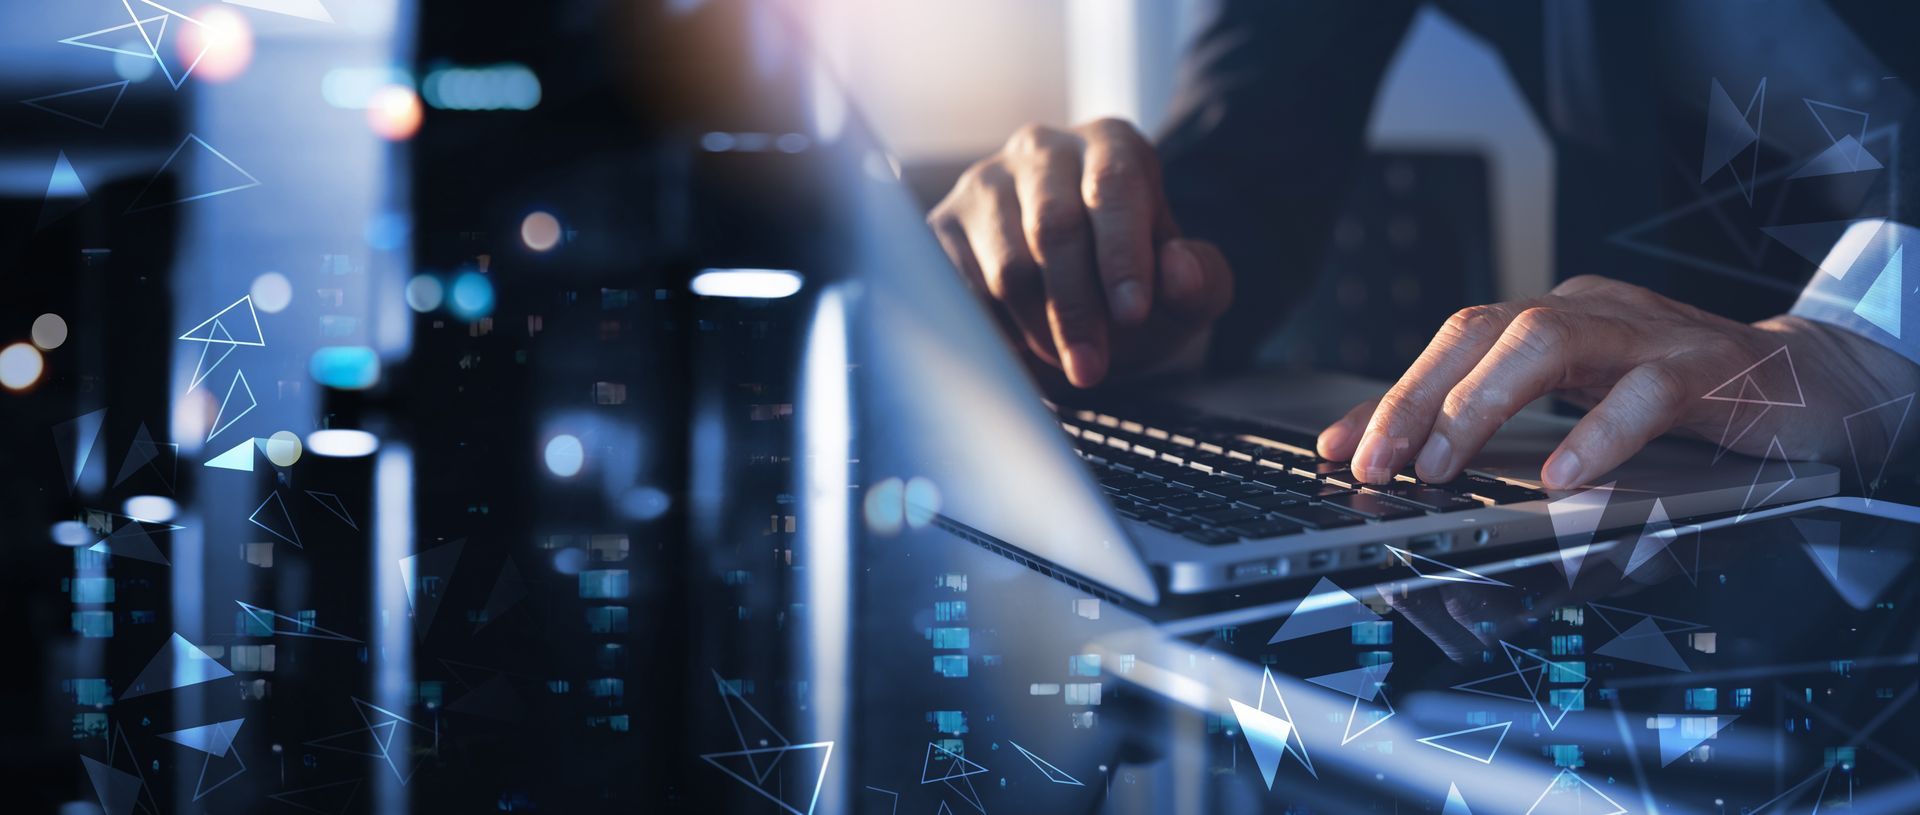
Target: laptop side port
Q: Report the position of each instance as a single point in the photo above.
(1368, 553)
(1321, 559)
(1428, 544)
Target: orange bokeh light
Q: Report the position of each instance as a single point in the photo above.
(222, 44)
(393, 112)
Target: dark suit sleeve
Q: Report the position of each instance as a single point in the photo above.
(1268, 122)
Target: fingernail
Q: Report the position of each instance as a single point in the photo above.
(1183, 270)
(1563, 471)
(1436, 458)
(1126, 301)
(1377, 466)
(1335, 437)
(1087, 363)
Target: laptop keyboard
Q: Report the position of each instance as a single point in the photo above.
(1221, 481)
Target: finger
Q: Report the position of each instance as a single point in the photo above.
(1406, 413)
(1196, 284)
(1121, 197)
(1336, 443)
(1645, 403)
(1011, 275)
(1543, 350)
(953, 241)
(1059, 236)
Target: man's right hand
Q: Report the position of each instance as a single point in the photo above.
(1069, 234)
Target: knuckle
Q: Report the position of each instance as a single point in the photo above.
(1537, 332)
(1032, 138)
(1580, 283)
(1057, 221)
(1010, 280)
(1655, 387)
(1077, 319)
(1112, 183)
(1472, 323)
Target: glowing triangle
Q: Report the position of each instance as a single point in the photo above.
(1774, 453)
(1456, 805)
(131, 541)
(1267, 737)
(272, 516)
(219, 337)
(213, 739)
(1881, 304)
(1570, 793)
(118, 790)
(1654, 537)
(229, 184)
(1844, 156)
(1539, 673)
(91, 106)
(1728, 132)
(1886, 454)
(97, 39)
(956, 765)
(1327, 608)
(206, 330)
(229, 411)
(1680, 733)
(1831, 245)
(1732, 385)
(239, 457)
(1046, 768)
(1646, 644)
(175, 73)
(1435, 570)
(1376, 712)
(76, 438)
(1478, 743)
(178, 665)
(1362, 683)
(1575, 519)
(65, 193)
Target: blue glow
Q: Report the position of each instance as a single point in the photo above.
(424, 293)
(346, 367)
(765, 284)
(569, 561)
(507, 86)
(472, 296)
(387, 231)
(350, 88)
(565, 456)
(71, 533)
(645, 503)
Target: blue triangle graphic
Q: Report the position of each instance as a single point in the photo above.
(119, 790)
(65, 193)
(1327, 608)
(1645, 643)
(212, 739)
(1456, 805)
(1267, 737)
(1361, 683)
(1683, 732)
(1881, 304)
(1728, 132)
(1847, 155)
(239, 458)
(178, 665)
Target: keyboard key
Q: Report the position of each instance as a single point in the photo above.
(1155, 492)
(1492, 489)
(1318, 517)
(1174, 524)
(1234, 490)
(1187, 504)
(1432, 499)
(1211, 537)
(1272, 503)
(1227, 516)
(1372, 505)
(1257, 530)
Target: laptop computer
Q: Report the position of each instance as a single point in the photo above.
(1200, 489)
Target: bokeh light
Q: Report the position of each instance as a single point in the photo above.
(157, 509)
(565, 456)
(884, 507)
(222, 44)
(342, 443)
(394, 112)
(540, 231)
(570, 560)
(20, 366)
(472, 296)
(71, 533)
(645, 503)
(130, 67)
(49, 331)
(283, 449)
(424, 293)
(922, 501)
(271, 292)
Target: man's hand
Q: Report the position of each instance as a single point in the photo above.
(1069, 234)
(1640, 361)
